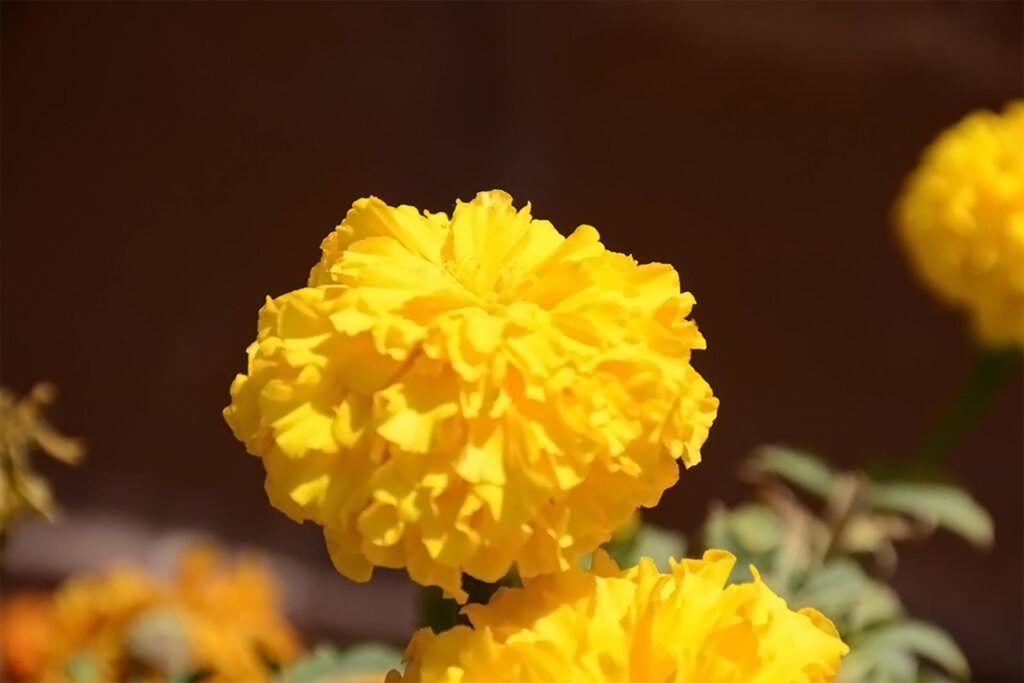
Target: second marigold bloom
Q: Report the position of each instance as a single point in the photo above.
(961, 218)
(458, 395)
(607, 625)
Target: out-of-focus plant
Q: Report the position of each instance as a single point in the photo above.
(213, 622)
(828, 538)
(24, 429)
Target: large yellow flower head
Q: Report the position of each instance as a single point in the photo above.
(217, 617)
(635, 625)
(455, 395)
(961, 218)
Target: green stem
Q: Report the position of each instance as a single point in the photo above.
(990, 371)
(441, 613)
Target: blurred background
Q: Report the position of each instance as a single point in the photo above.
(166, 166)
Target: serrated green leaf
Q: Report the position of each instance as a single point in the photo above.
(945, 506)
(327, 664)
(807, 471)
(923, 640)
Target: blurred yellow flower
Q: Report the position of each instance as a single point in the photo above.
(232, 616)
(92, 616)
(458, 395)
(632, 625)
(211, 617)
(961, 218)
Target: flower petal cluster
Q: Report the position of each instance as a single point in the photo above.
(632, 625)
(215, 617)
(458, 395)
(961, 219)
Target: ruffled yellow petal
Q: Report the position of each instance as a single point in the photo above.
(633, 625)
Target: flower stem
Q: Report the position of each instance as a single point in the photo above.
(441, 613)
(990, 371)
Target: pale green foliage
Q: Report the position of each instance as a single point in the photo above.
(819, 554)
(942, 505)
(648, 541)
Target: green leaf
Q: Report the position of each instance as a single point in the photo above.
(717, 533)
(870, 664)
(923, 640)
(943, 505)
(846, 594)
(754, 534)
(807, 471)
(876, 604)
(857, 666)
(893, 665)
(648, 541)
(834, 589)
(929, 676)
(756, 528)
(751, 529)
(659, 545)
(327, 664)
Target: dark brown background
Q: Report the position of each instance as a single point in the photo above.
(165, 166)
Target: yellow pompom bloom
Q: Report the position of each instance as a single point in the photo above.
(634, 625)
(124, 623)
(961, 218)
(458, 395)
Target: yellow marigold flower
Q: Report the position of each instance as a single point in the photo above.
(458, 395)
(124, 623)
(961, 218)
(632, 625)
